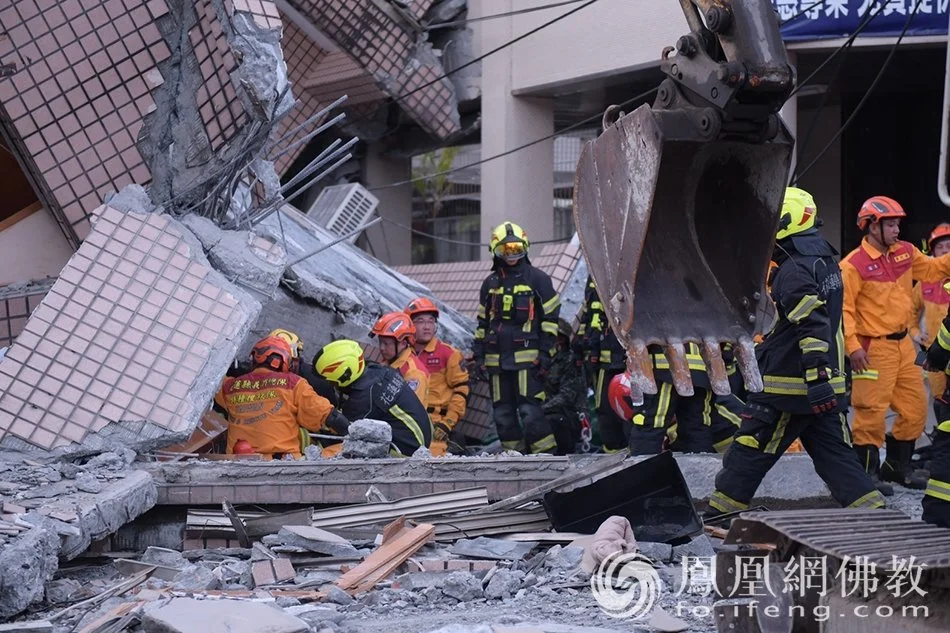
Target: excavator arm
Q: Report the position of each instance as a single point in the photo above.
(677, 204)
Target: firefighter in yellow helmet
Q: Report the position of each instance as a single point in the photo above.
(931, 300)
(936, 501)
(374, 391)
(803, 369)
(515, 340)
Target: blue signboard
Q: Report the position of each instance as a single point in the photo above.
(811, 19)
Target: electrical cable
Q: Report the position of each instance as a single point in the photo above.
(838, 50)
(569, 128)
(802, 12)
(449, 240)
(867, 94)
(813, 124)
(442, 25)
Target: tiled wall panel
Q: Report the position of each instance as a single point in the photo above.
(122, 336)
(85, 73)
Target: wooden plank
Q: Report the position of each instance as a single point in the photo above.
(236, 523)
(269, 572)
(600, 466)
(129, 567)
(714, 531)
(35, 626)
(110, 617)
(22, 214)
(387, 557)
(271, 523)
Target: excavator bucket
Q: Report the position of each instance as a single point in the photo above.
(677, 223)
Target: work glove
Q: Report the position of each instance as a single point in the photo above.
(440, 432)
(337, 422)
(821, 395)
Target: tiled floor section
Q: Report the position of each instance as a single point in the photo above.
(122, 335)
(264, 12)
(384, 47)
(337, 75)
(15, 308)
(301, 55)
(82, 89)
(218, 104)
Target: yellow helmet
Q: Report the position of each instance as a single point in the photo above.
(296, 345)
(799, 213)
(341, 362)
(508, 240)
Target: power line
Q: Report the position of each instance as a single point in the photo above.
(571, 127)
(867, 94)
(442, 25)
(802, 12)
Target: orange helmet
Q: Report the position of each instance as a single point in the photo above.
(878, 208)
(941, 232)
(273, 352)
(397, 325)
(422, 305)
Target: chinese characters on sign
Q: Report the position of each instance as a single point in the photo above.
(816, 19)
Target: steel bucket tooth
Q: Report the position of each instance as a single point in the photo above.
(678, 230)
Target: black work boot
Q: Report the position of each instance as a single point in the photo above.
(870, 458)
(896, 466)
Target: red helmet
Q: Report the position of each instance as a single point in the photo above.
(273, 352)
(879, 208)
(942, 232)
(618, 393)
(242, 447)
(397, 325)
(421, 305)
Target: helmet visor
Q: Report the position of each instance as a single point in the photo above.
(512, 249)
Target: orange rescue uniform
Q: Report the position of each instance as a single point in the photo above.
(414, 373)
(267, 408)
(931, 300)
(448, 387)
(878, 304)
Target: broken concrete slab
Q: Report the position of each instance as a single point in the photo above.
(142, 274)
(26, 564)
(504, 584)
(463, 586)
(491, 548)
(353, 288)
(314, 539)
(164, 557)
(700, 547)
(195, 578)
(188, 615)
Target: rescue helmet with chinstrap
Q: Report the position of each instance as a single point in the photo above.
(296, 345)
(272, 352)
(508, 240)
(940, 233)
(878, 208)
(398, 325)
(421, 305)
(341, 362)
(799, 214)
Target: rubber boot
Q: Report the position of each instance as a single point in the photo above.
(870, 458)
(896, 466)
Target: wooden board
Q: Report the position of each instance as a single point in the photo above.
(399, 543)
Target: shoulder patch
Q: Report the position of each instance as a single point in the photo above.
(413, 384)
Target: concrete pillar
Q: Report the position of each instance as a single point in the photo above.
(391, 244)
(789, 114)
(518, 187)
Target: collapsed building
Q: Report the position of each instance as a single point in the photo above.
(153, 136)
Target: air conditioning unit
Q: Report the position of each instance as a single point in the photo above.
(343, 209)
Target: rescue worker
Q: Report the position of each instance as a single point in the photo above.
(396, 335)
(606, 358)
(930, 307)
(936, 501)
(448, 380)
(704, 422)
(377, 392)
(878, 286)
(515, 340)
(323, 388)
(267, 406)
(566, 392)
(803, 370)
